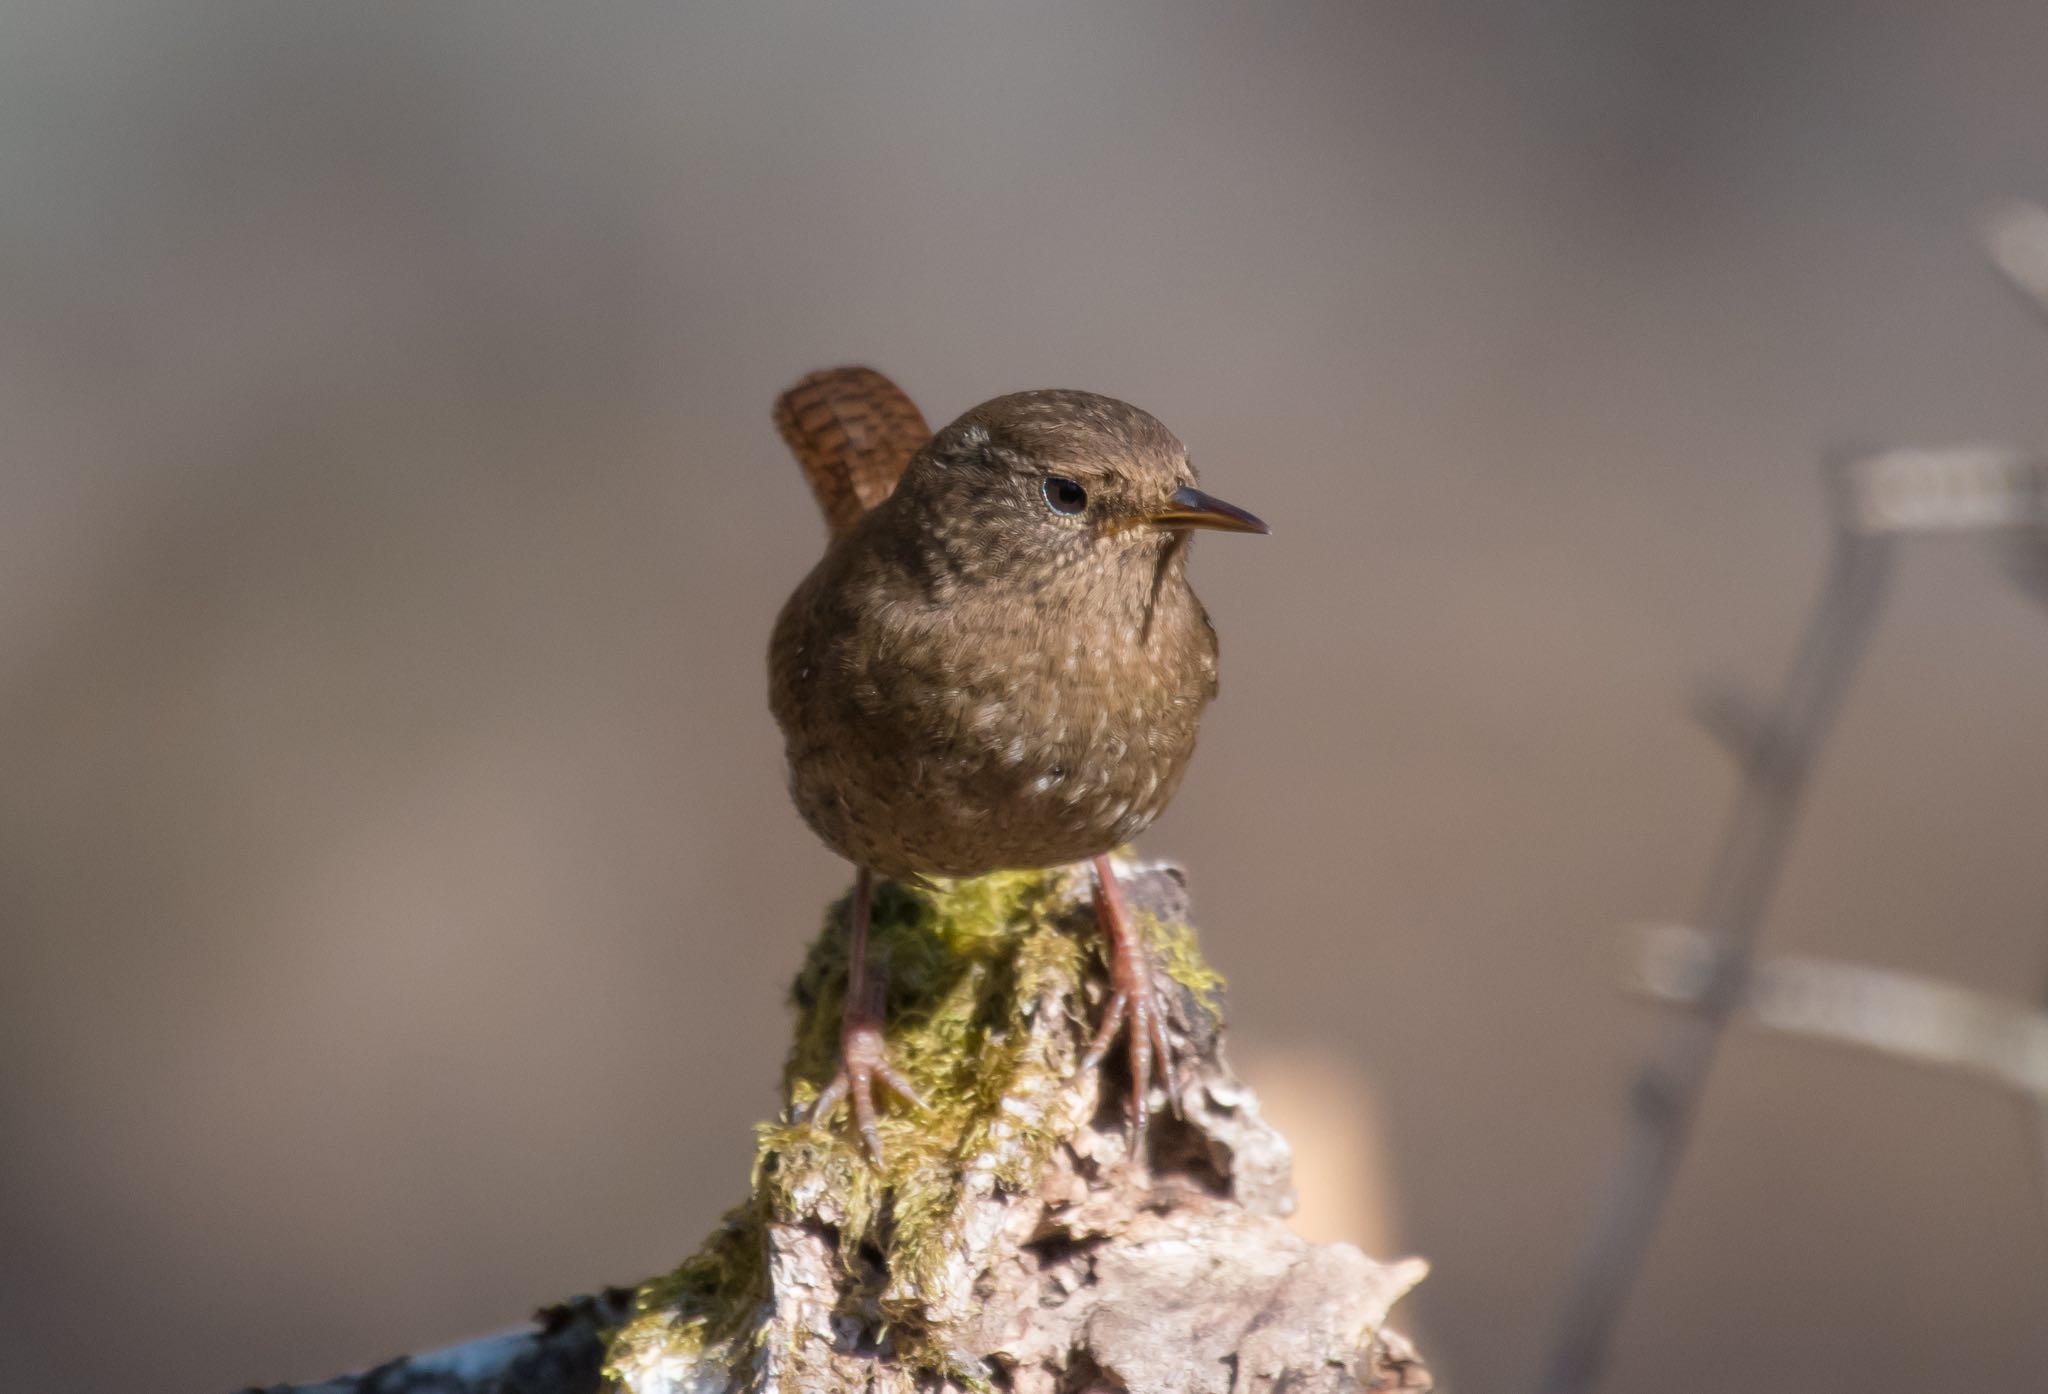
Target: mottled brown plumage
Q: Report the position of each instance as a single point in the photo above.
(1000, 663)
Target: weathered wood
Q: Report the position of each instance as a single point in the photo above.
(1011, 1240)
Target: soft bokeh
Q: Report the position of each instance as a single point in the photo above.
(396, 879)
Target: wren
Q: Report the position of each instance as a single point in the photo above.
(999, 663)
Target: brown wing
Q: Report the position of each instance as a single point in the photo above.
(853, 431)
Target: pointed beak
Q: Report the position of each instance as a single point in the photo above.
(1191, 508)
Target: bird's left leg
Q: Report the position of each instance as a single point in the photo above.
(1134, 1000)
(863, 1055)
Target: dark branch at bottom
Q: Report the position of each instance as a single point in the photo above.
(561, 1352)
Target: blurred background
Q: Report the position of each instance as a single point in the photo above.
(397, 884)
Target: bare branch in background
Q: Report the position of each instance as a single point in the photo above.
(2016, 235)
(1778, 749)
(1878, 497)
(1952, 488)
(1898, 1014)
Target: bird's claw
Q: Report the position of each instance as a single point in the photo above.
(863, 1062)
(1137, 1003)
(1135, 1006)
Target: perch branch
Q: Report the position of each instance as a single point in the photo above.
(560, 1352)
(1010, 1239)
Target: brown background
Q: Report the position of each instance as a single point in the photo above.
(396, 881)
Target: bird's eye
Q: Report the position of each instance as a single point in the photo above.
(1063, 495)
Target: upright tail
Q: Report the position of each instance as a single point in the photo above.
(853, 431)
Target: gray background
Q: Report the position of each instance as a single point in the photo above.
(396, 881)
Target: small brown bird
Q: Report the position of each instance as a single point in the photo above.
(999, 662)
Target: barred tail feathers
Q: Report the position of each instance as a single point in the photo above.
(853, 431)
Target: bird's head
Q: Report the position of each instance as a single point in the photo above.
(1036, 481)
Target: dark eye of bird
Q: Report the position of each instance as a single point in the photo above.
(1064, 495)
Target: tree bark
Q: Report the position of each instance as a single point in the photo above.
(1011, 1240)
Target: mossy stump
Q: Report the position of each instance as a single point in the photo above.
(1010, 1241)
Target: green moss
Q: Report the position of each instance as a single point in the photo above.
(704, 1302)
(969, 964)
(1174, 949)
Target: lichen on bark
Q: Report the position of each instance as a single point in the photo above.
(1010, 1239)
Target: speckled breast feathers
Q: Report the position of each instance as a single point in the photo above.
(972, 678)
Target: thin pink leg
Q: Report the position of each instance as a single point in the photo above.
(863, 1055)
(1134, 1000)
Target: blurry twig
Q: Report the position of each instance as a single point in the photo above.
(1709, 968)
(1899, 1014)
(2016, 237)
(1777, 747)
(1951, 488)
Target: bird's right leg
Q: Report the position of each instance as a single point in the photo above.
(863, 1053)
(1136, 1005)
